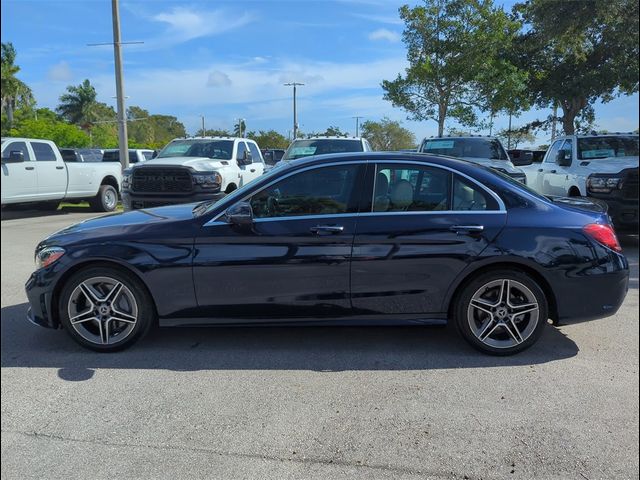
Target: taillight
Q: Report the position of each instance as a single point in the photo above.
(603, 234)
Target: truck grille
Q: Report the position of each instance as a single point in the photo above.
(162, 180)
(630, 185)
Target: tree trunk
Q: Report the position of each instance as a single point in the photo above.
(9, 110)
(571, 108)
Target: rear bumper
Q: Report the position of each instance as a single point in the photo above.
(132, 200)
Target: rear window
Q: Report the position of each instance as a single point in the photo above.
(604, 147)
(306, 148)
(465, 147)
(68, 155)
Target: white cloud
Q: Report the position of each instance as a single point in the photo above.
(218, 79)
(384, 34)
(395, 20)
(60, 72)
(184, 24)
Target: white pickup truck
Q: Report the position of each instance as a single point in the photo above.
(599, 166)
(33, 171)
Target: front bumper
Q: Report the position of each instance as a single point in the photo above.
(39, 289)
(623, 212)
(132, 200)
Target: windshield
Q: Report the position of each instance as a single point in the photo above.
(592, 148)
(219, 149)
(466, 147)
(306, 148)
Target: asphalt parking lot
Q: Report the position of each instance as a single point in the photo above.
(410, 402)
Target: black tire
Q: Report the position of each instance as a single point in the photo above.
(470, 320)
(230, 188)
(106, 200)
(145, 312)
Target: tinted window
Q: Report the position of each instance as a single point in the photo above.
(553, 152)
(242, 148)
(321, 191)
(17, 147)
(567, 146)
(111, 156)
(468, 196)
(68, 155)
(43, 152)
(410, 188)
(465, 147)
(255, 153)
(219, 149)
(306, 148)
(604, 147)
(147, 155)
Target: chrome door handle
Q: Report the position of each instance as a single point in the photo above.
(466, 229)
(320, 229)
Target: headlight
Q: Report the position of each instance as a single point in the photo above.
(603, 183)
(48, 255)
(126, 178)
(207, 180)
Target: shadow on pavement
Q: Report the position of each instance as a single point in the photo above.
(17, 213)
(319, 349)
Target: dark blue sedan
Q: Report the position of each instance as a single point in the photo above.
(366, 238)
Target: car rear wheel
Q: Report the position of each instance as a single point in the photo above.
(105, 309)
(106, 200)
(501, 312)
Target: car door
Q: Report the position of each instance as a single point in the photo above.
(52, 174)
(545, 169)
(293, 260)
(425, 225)
(256, 169)
(19, 180)
(557, 177)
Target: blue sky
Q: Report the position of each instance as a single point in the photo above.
(228, 60)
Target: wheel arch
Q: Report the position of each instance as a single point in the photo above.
(57, 290)
(111, 180)
(501, 264)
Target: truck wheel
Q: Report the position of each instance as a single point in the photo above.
(106, 200)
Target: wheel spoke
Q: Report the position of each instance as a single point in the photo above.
(505, 287)
(122, 317)
(517, 310)
(113, 294)
(90, 293)
(488, 329)
(482, 305)
(511, 327)
(83, 317)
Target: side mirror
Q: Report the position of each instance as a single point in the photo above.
(246, 158)
(15, 156)
(523, 160)
(562, 159)
(240, 213)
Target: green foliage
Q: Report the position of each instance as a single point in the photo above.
(79, 105)
(240, 128)
(514, 137)
(331, 131)
(456, 53)
(388, 135)
(269, 139)
(577, 53)
(63, 134)
(213, 133)
(15, 93)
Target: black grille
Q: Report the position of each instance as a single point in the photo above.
(630, 185)
(162, 180)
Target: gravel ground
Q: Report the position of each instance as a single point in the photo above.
(405, 402)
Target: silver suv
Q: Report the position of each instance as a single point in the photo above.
(487, 151)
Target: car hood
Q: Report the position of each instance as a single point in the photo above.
(609, 164)
(505, 165)
(116, 224)
(201, 164)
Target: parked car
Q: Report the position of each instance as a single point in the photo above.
(81, 154)
(136, 155)
(191, 170)
(523, 157)
(33, 171)
(305, 147)
(487, 151)
(271, 156)
(598, 166)
(436, 239)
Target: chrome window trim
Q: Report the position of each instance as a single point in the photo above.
(501, 206)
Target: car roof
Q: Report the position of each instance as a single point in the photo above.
(596, 135)
(213, 138)
(486, 137)
(323, 137)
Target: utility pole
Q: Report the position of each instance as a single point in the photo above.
(509, 134)
(203, 130)
(357, 125)
(553, 124)
(123, 142)
(295, 113)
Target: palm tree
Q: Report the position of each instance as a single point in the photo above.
(79, 105)
(14, 91)
(239, 128)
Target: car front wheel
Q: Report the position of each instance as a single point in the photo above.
(105, 309)
(501, 312)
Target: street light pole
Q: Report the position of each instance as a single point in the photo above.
(117, 53)
(204, 134)
(295, 113)
(357, 125)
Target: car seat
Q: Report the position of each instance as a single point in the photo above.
(381, 193)
(401, 196)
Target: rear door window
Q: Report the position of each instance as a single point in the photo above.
(43, 152)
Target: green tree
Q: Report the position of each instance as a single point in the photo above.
(514, 137)
(213, 133)
(577, 53)
(388, 135)
(15, 93)
(63, 134)
(454, 49)
(269, 139)
(240, 128)
(79, 105)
